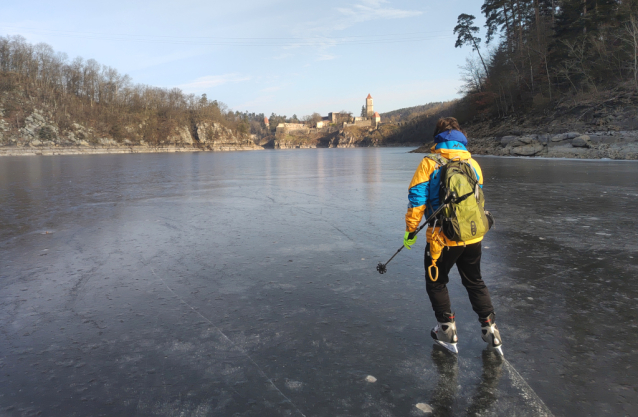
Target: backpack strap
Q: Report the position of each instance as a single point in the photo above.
(463, 197)
(438, 159)
(474, 180)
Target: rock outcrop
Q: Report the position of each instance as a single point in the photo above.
(181, 135)
(611, 145)
(214, 136)
(42, 136)
(582, 141)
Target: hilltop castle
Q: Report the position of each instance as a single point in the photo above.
(371, 118)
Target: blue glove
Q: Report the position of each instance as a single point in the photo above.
(409, 239)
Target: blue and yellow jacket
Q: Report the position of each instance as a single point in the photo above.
(423, 196)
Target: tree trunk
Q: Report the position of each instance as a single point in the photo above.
(584, 16)
(479, 54)
(632, 28)
(519, 24)
(531, 70)
(549, 80)
(538, 23)
(508, 30)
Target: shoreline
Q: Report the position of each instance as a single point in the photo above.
(98, 150)
(554, 158)
(617, 146)
(486, 151)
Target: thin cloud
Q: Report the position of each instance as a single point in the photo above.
(282, 56)
(150, 61)
(374, 9)
(257, 102)
(210, 81)
(317, 33)
(326, 57)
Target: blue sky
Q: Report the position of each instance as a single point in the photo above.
(282, 56)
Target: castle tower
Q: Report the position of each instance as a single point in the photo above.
(369, 106)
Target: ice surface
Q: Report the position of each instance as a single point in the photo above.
(245, 284)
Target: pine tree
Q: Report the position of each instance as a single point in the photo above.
(466, 34)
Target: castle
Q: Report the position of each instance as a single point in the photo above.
(372, 119)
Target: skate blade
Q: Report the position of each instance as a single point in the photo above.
(498, 350)
(449, 346)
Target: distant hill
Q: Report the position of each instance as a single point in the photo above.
(409, 113)
(418, 126)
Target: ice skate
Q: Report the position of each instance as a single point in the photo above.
(444, 333)
(490, 333)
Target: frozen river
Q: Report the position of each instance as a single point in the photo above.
(244, 284)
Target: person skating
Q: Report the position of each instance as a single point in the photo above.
(441, 252)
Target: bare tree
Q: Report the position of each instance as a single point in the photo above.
(472, 75)
(631, 38)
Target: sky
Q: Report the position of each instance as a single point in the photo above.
(282, 56)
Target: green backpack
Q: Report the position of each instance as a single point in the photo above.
(465, 217)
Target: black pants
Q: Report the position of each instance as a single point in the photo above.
(468, 262)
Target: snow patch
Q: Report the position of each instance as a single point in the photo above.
(294, 385)
(424, 407)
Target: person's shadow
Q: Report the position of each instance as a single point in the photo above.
(444, 395)
(447, 366)
(486, 392)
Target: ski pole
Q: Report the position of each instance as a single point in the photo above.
(382, 267)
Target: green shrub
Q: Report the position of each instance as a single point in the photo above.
(46, 133)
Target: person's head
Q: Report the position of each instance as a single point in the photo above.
(445, 124)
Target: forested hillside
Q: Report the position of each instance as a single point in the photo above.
(45, 96)
(548, 66)
(544, 53)
(409, 113)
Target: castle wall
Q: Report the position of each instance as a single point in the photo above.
(361, 122)
(292, 127)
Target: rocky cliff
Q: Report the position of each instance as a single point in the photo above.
(593, 126)
(610, 145)
(348, 137)
(39, 134)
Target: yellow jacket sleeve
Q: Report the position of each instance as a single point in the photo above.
(418, 194)
(477, 168)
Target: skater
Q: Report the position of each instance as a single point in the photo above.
(452, 240)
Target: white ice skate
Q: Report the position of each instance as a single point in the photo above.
(490, 333)
(444, 333)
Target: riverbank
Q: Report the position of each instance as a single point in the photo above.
(575, 145)
(95, 150)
